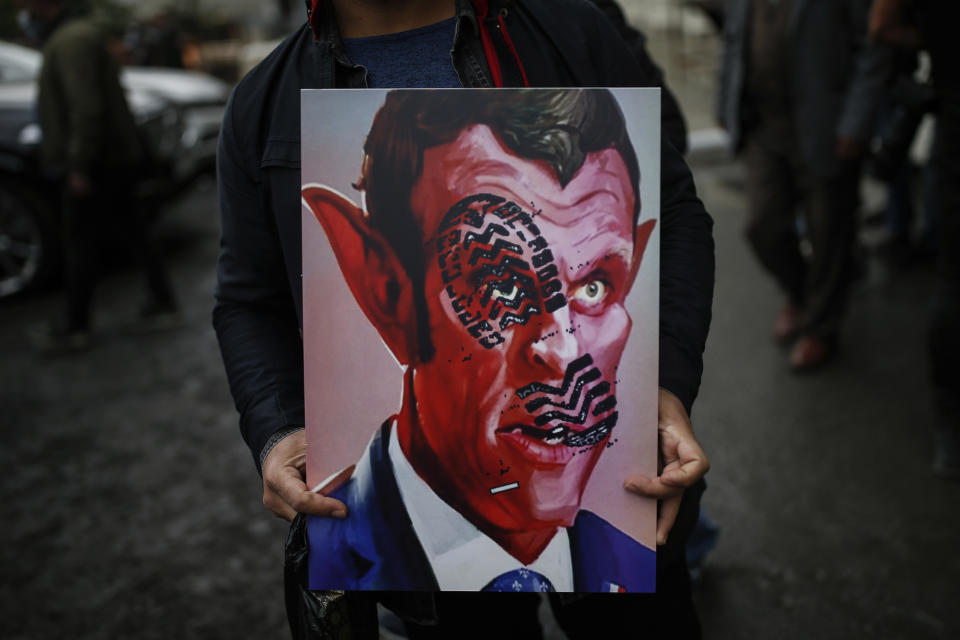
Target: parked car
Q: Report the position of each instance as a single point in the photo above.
(178, 113)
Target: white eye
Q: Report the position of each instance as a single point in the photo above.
(592, 292)
(496, 293)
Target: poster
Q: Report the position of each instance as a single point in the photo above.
(480, 280)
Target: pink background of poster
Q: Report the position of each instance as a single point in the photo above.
(353, 383)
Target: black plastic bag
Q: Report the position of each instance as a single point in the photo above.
(322, 615)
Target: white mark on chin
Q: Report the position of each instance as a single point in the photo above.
(504, 487)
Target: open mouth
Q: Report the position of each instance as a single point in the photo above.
(542, 447)
(552, 436)
(556, 435)
(564, 434)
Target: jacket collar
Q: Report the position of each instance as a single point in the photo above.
(324, 27)
(379, 530)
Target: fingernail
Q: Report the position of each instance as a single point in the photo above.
(339, 513)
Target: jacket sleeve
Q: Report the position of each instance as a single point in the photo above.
(872, 68)
(686, 277)
(674, 124)
(255, 315)
(686, 243)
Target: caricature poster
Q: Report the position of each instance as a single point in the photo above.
(480, 283)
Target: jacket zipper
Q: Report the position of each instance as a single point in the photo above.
(502, 28)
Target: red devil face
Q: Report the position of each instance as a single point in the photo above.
(525, 284)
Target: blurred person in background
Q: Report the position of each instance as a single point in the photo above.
(908, 99)
(938, 20)
(799, 85)
(92, 150)
(435, 43)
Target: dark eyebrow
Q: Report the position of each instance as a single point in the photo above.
(601, 263)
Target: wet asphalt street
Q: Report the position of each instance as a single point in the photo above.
(130, 504)
(131, 508)
(832, 523)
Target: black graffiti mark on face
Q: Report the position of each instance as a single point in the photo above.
(500, 275)
(597, 401)
(593, 435)
(508, 285)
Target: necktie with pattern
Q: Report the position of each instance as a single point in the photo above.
(520, 580)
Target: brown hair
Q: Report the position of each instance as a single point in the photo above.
(559, 126)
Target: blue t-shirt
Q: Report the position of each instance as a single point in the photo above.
(415, 58)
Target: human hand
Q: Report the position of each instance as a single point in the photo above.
(682, 461)
(284, 491)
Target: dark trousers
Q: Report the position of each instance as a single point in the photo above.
(110, 213)
(944, 330)
(779, 187)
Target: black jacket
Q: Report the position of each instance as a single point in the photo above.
(553, 43)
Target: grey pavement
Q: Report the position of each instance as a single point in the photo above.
(132, 509)
(832, 524)
(130, 506)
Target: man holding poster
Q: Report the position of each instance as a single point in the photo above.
(259, 305)
(499, 242)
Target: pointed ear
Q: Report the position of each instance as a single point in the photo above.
(372, 270)
(640, 237)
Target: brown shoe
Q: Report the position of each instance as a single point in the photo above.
(787, 325)
(811, 352)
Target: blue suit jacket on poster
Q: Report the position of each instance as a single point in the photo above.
(375, 547)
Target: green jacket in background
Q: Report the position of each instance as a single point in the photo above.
(87, 124)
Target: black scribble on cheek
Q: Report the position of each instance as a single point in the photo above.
(582, 394)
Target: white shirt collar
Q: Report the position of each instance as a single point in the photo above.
(462, 557)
